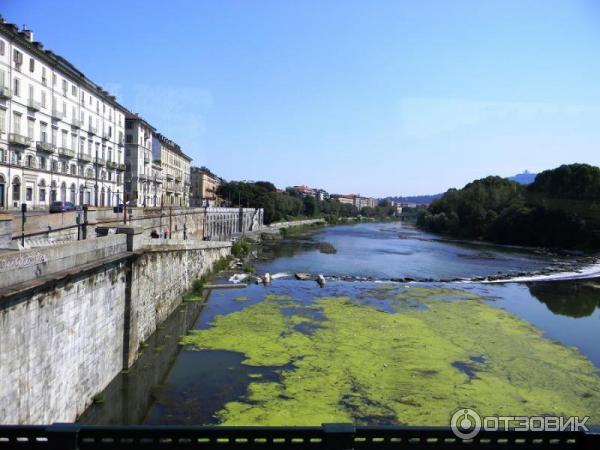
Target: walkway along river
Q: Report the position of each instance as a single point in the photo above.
(372, 352)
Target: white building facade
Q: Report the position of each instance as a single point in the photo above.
(61, 135)
(143, 177)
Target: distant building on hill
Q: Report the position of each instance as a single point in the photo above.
(306, 191)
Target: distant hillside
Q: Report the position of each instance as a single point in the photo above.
(560, 209)
(524, 178)
(418, 199)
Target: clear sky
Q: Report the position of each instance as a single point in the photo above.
(371, 97)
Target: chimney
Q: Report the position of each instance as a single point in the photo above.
(27, 33)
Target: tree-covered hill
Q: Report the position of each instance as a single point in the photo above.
(559, 209)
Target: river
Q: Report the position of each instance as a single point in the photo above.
(374, 351)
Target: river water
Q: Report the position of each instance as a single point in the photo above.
(375, 351)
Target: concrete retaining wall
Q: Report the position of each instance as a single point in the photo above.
(21, 266)
(65, 337)
(198, 223)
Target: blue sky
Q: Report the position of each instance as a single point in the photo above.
(372, 97)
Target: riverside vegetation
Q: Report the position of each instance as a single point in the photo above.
(430, 350)
(289, 205)
(560, 209)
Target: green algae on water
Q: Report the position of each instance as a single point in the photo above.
(416, 367)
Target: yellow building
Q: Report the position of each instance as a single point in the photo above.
(204, 187)
(175, 167)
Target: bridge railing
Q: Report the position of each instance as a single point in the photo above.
(327, 436)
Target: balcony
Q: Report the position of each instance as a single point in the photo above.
(92, 129)
(66, 152)
(46, 147)
(33, 105)
(58, 114)
(112, 164)
(121, 167)
(18, 139)
(76, 123)
(5, 92)
(99, 161)
(85, 157)
(169, 177)
(105, 136)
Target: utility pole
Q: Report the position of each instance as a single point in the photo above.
(96, 181)
(23, 219)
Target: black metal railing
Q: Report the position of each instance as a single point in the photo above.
(328, 436)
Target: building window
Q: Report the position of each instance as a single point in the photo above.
(42, 194)
(29, 194)
(74, 90)
(129, 139)
(31, 66)
(43, 75)
(2, 47)
(16, 187)
(16, 122)
(17, 58)
(43, 99)
(17, 87)
(43, 132)
(2, 120)
(128, 125)
(30, 124)
(53, 79)
(65, 87)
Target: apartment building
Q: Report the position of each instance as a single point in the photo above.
(143, 177)
(175, 167)
(61, 135)
(204, 185)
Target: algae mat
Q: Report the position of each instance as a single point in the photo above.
(344, 360)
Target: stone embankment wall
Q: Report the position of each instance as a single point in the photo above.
(198, 223)
(295, 223)
(72, 316)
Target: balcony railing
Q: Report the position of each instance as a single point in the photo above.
(121, 167)
(33, 105)
(112, 164)
(66, 152)
(93, 130)
(85, 157)
(5, 92)
(99, 161)
(46, 147)
(76, 123)
(19, 139)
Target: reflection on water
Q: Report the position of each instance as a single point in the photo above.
(171, 384)
(574, 299)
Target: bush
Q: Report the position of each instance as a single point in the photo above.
(240, 248)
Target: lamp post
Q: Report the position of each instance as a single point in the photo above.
(96, 181)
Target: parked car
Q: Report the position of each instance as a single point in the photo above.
(57, 207)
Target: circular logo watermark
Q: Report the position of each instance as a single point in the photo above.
(465, 423)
